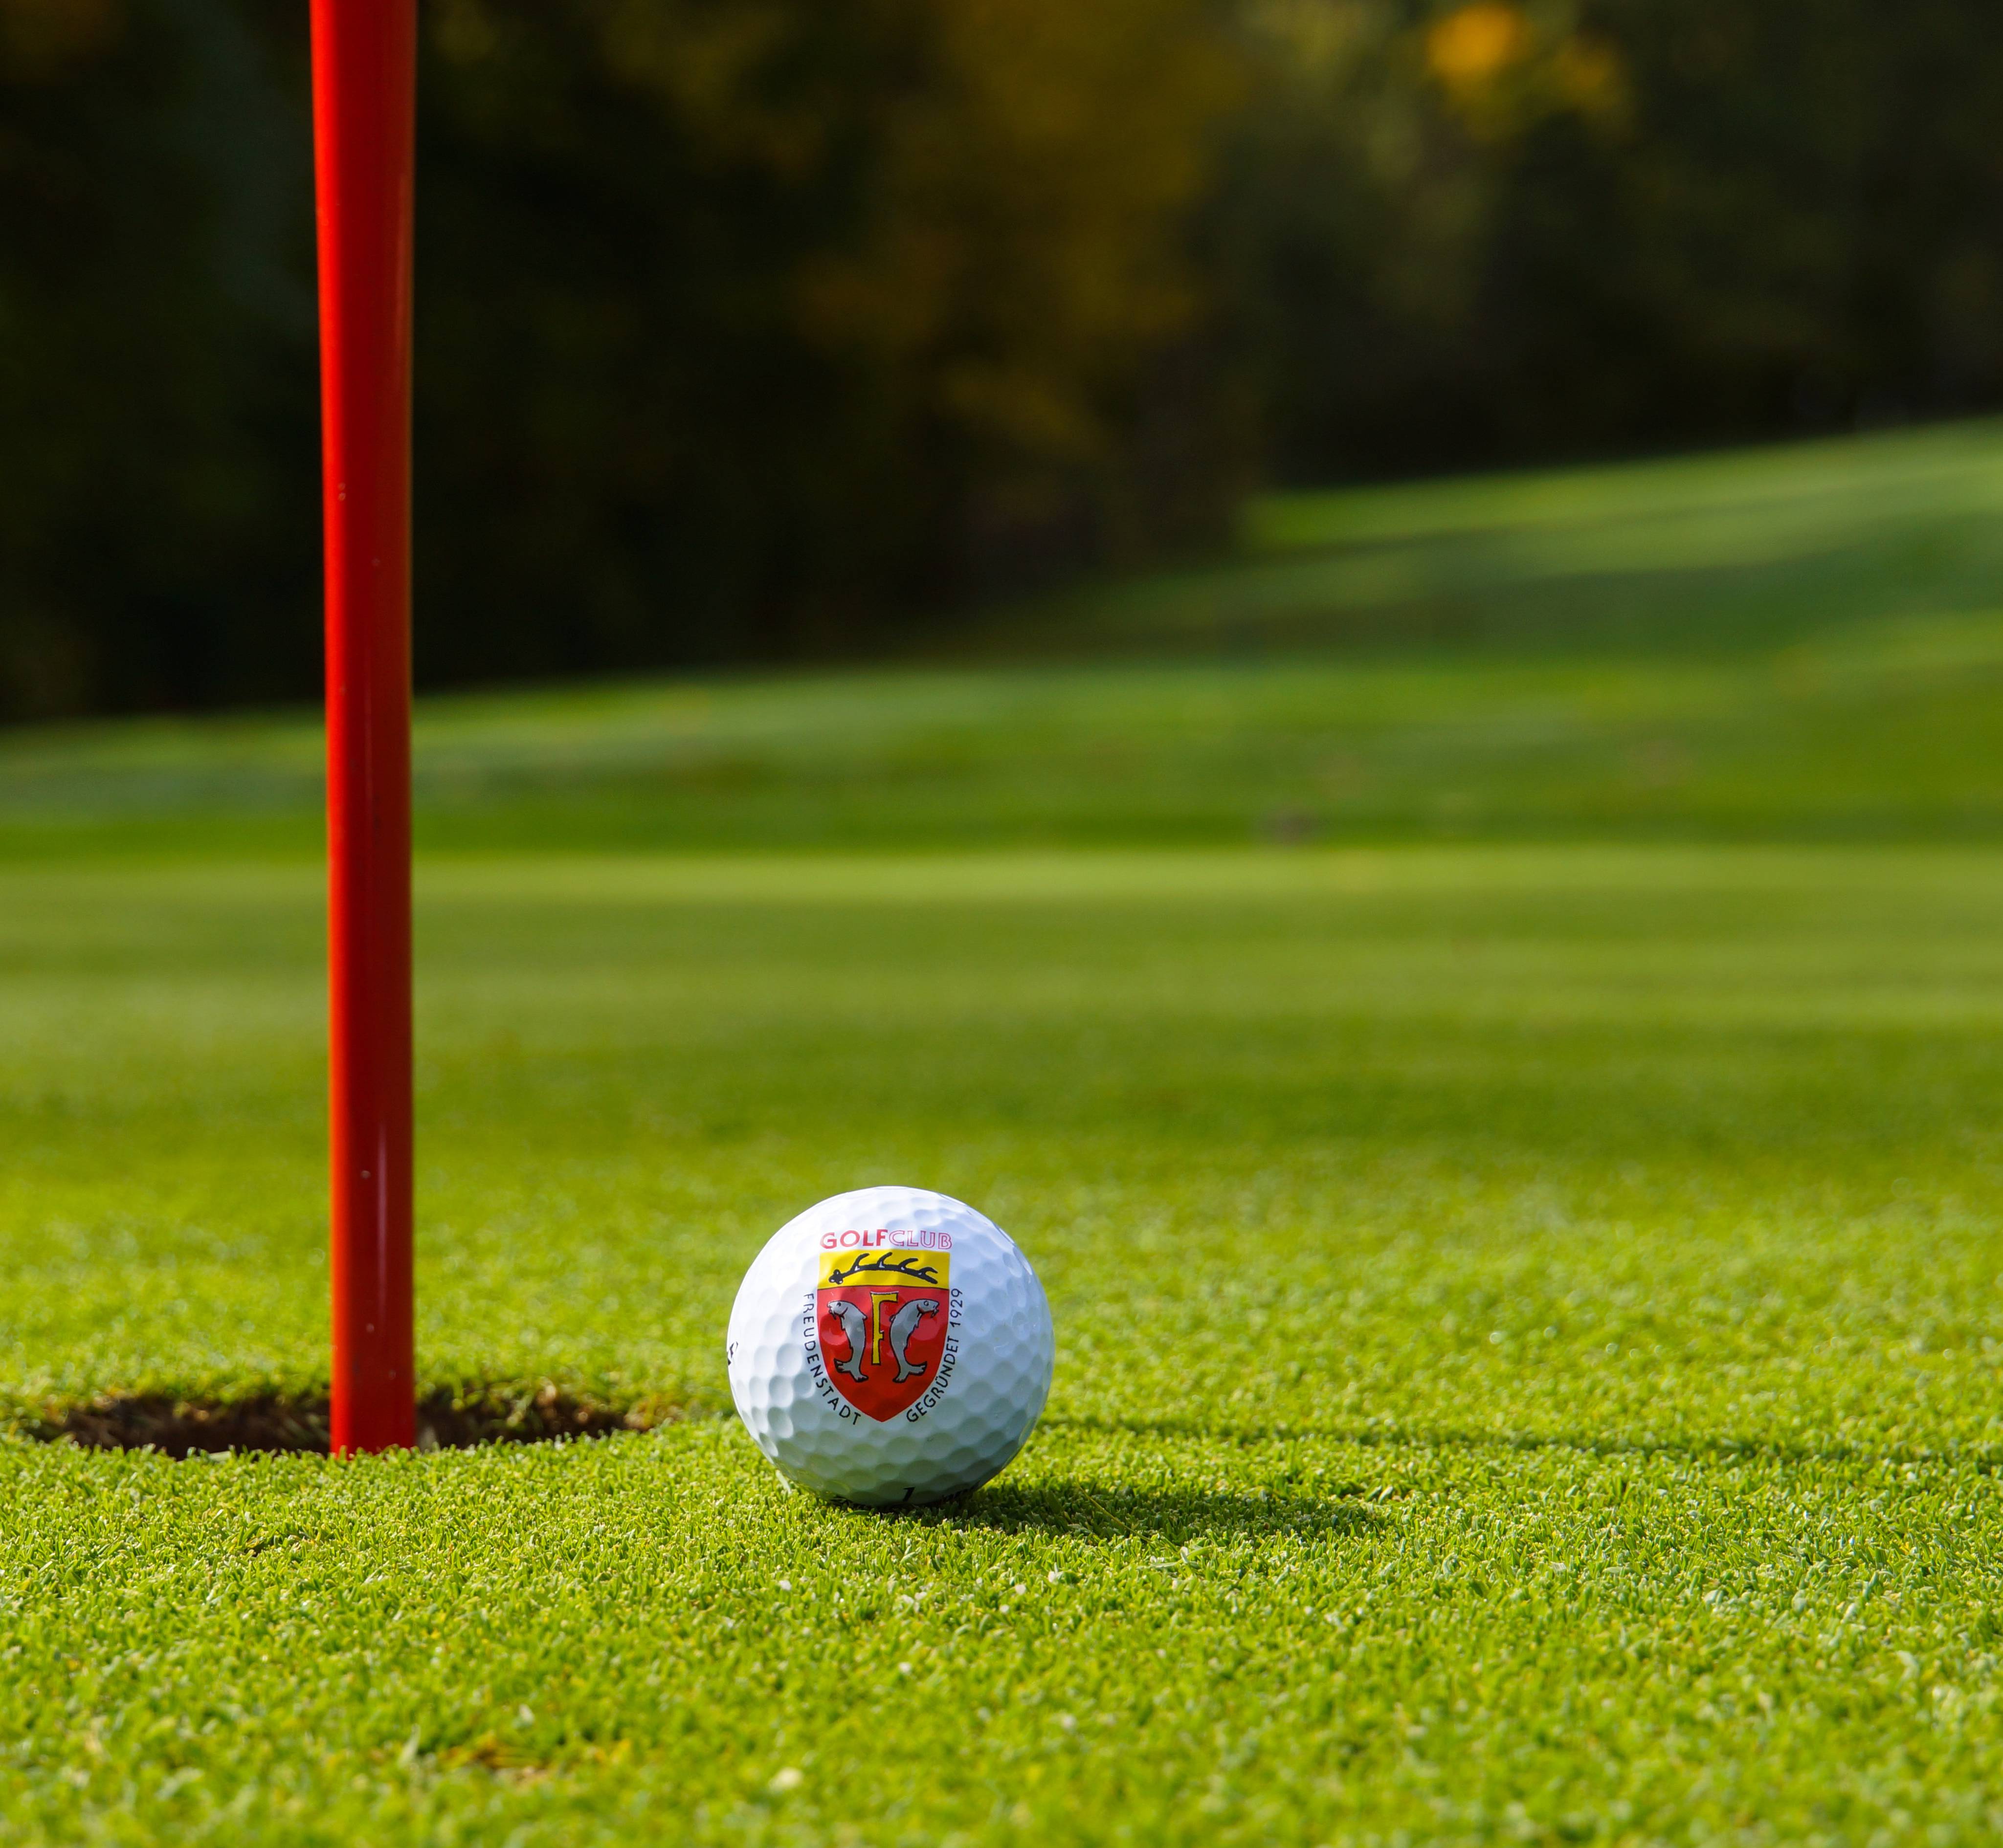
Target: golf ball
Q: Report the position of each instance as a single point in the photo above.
(890, 1346)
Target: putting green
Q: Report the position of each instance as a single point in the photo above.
(1528, 1350)
(1531, 1305)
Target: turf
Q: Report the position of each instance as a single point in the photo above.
(1528, 1301)
(1801, 645)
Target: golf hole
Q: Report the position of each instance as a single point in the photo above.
(446, 1420)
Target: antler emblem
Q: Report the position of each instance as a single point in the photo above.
(910, 1267)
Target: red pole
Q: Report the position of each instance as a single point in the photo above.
(365, 56)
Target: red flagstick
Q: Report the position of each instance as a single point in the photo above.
(365, 55)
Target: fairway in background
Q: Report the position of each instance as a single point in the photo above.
(1800, 644)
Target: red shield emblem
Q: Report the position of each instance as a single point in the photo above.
(883, 1312)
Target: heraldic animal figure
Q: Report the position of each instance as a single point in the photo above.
(854, 1327)
(903, 1324)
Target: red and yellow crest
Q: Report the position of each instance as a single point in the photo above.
(883, 1310)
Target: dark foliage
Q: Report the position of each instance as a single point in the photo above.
(750, 328)
(1488, 234)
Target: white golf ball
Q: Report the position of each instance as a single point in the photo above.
(890, 1346)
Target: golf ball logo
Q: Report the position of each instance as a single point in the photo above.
(889, 1346)
(885, 1318)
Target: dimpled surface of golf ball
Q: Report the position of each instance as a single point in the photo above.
(890, 1347)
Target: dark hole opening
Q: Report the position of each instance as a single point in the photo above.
(446, 1420)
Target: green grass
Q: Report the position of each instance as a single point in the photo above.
(1802, 644)
(1528, 1269)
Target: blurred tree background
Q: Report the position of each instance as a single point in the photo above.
(753, 328)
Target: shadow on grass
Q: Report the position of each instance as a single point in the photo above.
(1725, 1448)
(1104, 1511)
(448, 1419)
